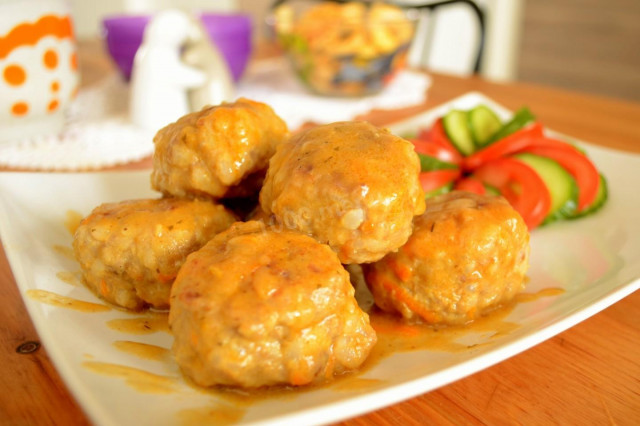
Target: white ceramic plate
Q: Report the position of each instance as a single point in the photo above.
(596, 261)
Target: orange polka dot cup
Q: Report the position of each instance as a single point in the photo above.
(38, 67)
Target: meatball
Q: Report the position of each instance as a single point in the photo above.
(259, 307)
(350, 185)
(130, 252)
(220, 151)
(468, 253)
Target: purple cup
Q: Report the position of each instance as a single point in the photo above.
(231, 33)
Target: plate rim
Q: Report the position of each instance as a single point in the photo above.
(327, 412)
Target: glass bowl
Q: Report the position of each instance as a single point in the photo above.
(344, 49)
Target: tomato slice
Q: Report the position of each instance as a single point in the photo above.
(509, 145)
(436, 144)
(424, 134)
(577, 164)
(440, 138)
(520, 185)
(437, 178)
(433, 150)
(470, 184)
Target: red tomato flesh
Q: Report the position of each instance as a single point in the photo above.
(509, 145)
(439, 137)
(433, 150)
(437, 178)
(435, 143)
(520, 185)
(470, 184)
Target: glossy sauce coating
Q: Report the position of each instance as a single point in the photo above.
(211, 152)
(257, 307)
(348, 184)
(130, 252)
(468, 253)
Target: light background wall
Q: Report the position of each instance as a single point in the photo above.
(586, 45)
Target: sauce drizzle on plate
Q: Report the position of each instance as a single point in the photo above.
(54, 299)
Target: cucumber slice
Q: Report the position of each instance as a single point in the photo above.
(562, 186)
(428, 163)
(490, 189)
(521, 118)
(438, 191)
(483, 123)
(456, 126)
(601, 199)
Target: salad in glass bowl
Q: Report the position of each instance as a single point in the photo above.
(344, 48)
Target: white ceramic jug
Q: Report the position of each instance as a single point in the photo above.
(176, 70)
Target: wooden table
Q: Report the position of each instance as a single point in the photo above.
(589, 374)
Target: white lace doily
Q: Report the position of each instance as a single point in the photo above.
(273, 82)
(97, 133)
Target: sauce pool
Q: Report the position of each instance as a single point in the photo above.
(229, 405)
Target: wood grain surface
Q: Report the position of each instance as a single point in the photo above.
(587, 375)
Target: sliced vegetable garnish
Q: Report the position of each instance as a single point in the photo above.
(601, 199)
(429, 163)
(544, 179)
(562, 186)
(484, 123)
(448, 187)
(520, 185)
(520, 119)
(438, 178)
(470, 184)
(440, 138)
(456, 127)
(578, 165)
(513, 143)
(439, 152)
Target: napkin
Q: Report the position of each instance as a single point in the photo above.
(97, 133)
(273, 82)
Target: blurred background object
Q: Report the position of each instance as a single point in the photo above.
(585, 45)
(231, 33)
(89, 13)
(161, 79)
(38, 65)
(344, 49)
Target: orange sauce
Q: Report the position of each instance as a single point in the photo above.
(545, 292)
(72, 221)
(143, 350)
(54, 299)
(71, 278)
(214, 414)
(65, 251)
(397, 335)
(140, 380)
(151, 322)
(353, 383)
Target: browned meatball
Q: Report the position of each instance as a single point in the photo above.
(218, 151)
(130, 252)
(257, 307)
(468, 253)
(350, 185)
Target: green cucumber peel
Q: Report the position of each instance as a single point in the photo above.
(520, 119)
(428, 163)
